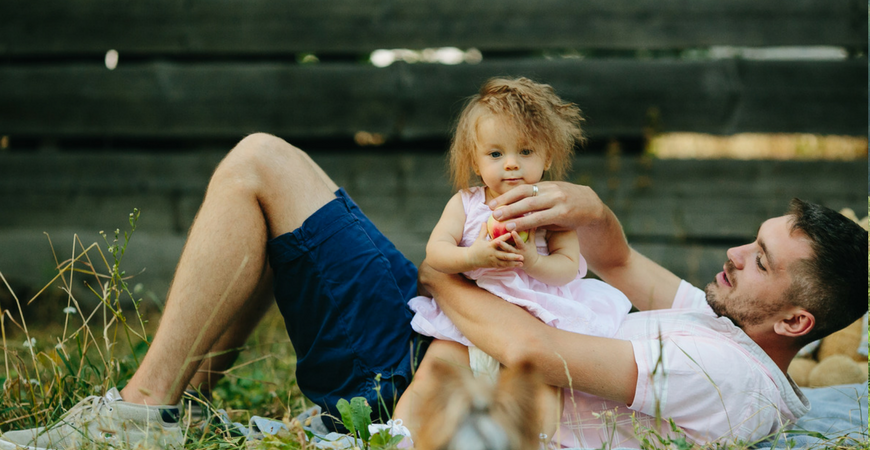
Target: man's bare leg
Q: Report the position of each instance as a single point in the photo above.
(228, 347)
(262, 189)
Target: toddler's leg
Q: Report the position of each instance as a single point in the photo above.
(550, 403)
(410, 407)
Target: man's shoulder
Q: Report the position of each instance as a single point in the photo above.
(690, 297)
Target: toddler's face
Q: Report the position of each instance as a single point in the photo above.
(504, 159)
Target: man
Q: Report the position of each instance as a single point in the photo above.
(714, 363)
(272, 217)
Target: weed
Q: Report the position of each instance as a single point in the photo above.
(106, 331)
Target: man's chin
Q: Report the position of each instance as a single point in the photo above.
(710, 291)
(719, 308)
(713, 300)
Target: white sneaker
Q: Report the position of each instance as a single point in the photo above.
(103, 420)
(395, 428)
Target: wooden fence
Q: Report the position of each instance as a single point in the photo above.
(82, 145)
(200, 69)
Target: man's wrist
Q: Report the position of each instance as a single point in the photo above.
(600, 212)
(599, 217)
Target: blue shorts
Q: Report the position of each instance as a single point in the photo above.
(343, 289)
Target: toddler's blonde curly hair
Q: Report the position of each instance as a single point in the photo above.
(541, 117)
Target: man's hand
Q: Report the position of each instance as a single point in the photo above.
(558, 206)
(566, 206)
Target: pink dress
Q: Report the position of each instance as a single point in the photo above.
(583, 305)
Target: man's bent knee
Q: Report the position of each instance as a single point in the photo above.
(264, 148)
(257, 157)
(263, 141)
(286, 184)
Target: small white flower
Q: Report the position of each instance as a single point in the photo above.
(69, 310)
(30, 343)
(59, 346)
(33, 381)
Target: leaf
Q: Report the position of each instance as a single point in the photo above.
(394, 441)
(814, 434)
(380, 439)
(681, 443)
(66, 362)
(346, 417)
(362, 417)
(383, 440)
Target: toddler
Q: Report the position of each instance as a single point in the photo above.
(510, 134)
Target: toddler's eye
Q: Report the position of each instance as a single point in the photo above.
(495, 154)
(526, 152)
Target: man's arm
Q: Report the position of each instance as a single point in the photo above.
(599, 366)
(561, 206)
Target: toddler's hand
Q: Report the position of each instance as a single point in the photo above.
(495, 253)
(527, 249)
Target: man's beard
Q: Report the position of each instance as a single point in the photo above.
(719, 307)
(752, 311)
(716, 304)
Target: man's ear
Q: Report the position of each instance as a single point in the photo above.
(797, 323)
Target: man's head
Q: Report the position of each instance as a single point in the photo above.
(812, 259)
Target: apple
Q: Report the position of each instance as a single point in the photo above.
(496, 229)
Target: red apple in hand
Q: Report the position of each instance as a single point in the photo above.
(496, 229)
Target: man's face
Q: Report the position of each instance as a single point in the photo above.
(755, 279)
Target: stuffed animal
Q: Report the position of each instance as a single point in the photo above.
(851, 214)
(840, 358)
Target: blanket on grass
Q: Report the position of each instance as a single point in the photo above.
(837, 417)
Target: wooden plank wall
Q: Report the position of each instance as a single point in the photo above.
(81, 145)
(409, 102)
(683, 213)
(200, 68)
(168, 27)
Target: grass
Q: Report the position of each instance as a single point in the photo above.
(61, 345)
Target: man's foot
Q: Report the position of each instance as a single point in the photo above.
(103, 420)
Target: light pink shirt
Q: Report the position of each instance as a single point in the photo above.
(702, 371)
